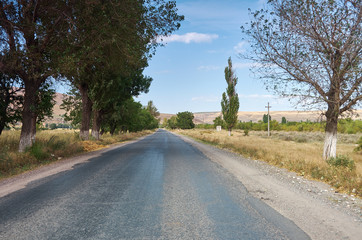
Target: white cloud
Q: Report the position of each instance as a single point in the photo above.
(188, 38)
(240, 47)
(209, 68)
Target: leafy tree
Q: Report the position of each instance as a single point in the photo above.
(128, 116)
(106, 95)
(152, 109)
(11, 101)
(218, 121)
(32, 35)
(172, 122)
(230, 99)
(265, 118)
(44, 102)
(53, 126)
(311, 50)
(72, 104)
(284, 120)
(185, 120)
(164, 123)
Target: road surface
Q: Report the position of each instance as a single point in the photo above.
(157, 188)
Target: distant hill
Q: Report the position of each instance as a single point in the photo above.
(57, 112)
(297, 116)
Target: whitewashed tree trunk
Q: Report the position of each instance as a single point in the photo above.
(95, 134)
(26, 140)
(330, 145)
(330, 141)
(97, 117)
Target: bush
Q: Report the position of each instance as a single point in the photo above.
(38, 151)
(246, 132)
(341, 161)
(359, 147)
(184, 120)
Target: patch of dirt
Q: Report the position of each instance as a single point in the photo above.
(314, 206)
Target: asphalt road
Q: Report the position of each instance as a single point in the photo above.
(157, 188)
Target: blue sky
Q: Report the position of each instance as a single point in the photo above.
(188, 73)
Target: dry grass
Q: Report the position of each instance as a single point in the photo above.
(298, 152)
(50, 145)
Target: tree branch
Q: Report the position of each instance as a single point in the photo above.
(350, 104)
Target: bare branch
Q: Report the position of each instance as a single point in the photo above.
(350, 104)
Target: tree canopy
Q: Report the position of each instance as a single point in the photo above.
(185, 120)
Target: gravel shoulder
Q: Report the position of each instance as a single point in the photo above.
(313, 206)
(12, 184)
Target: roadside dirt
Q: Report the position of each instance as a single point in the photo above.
(313, 206)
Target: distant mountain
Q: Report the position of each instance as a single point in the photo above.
(297, 116)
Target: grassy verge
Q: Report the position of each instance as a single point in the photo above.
(50, 146)
(298, 152)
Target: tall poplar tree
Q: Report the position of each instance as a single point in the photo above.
(230, 99)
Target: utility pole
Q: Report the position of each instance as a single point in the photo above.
(268, 119)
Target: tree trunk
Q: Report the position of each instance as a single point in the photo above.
(229, 132)
(102, 131)
(86, 112)
(112, 128)
(330, 142)
(2, 126)
(5, 101)
(28, 129)
(97, 118)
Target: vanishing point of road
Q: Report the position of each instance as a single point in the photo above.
(157, 188)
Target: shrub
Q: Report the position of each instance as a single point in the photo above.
(246, 132)
(341, 161)
(38, 151)
(359, 147)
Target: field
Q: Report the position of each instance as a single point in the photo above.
(50, 146)
(300, 152)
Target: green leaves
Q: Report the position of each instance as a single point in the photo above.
(185, 120)
(230, 99)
